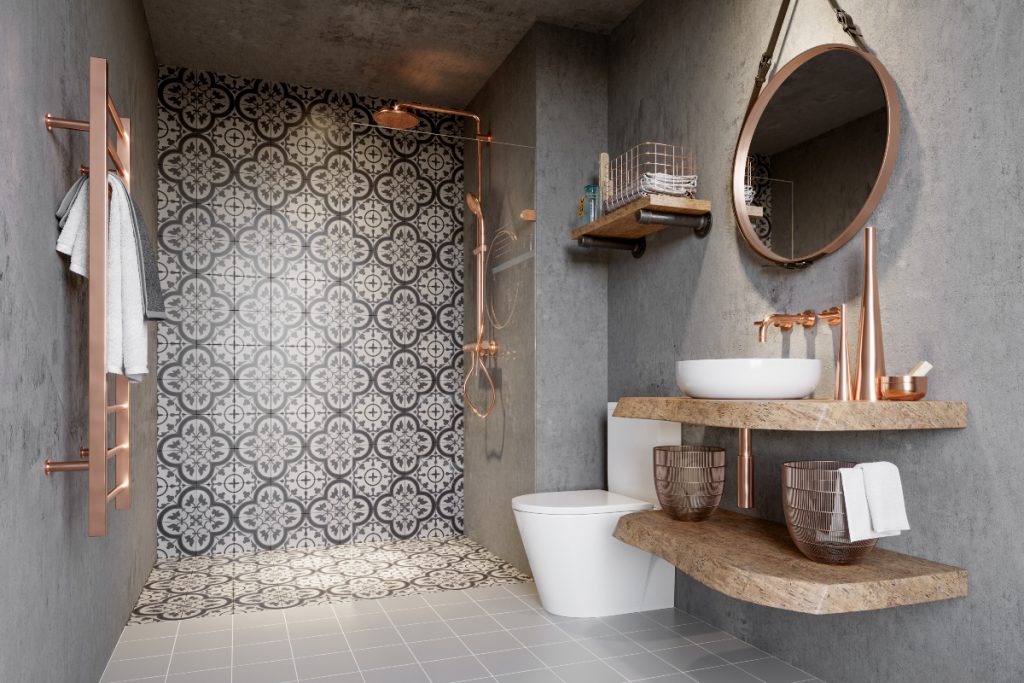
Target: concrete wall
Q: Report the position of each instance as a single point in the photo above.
(65, 596)
(547, 432)
(950, 254)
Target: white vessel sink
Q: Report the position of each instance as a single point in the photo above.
(757, 378)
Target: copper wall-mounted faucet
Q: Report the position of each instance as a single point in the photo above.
(784, 321)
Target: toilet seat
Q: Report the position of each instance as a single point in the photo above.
(590, 502)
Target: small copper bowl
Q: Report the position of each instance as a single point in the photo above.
(689, 480)
(903, 387)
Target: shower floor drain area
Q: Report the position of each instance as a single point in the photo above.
(214, 585)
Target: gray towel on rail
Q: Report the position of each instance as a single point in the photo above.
(152, 293)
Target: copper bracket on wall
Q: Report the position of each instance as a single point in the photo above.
(94, 458)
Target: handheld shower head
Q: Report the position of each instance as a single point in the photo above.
(473, 202)
(395, 116)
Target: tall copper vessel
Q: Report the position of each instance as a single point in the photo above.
(870, 353)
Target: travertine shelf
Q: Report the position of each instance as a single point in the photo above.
(622, 223)
(754, 560)
(806, 415)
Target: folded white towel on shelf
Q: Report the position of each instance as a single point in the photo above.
(874, 502)
(127, 339)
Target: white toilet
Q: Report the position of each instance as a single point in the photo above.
(581, 570)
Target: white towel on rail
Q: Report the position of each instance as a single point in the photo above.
(127, 339)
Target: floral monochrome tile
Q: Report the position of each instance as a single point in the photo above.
(308, 381)
(212, 585)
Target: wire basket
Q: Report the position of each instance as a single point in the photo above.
(650, 168)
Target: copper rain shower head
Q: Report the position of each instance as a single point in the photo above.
(395, 116)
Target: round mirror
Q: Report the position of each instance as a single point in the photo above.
(815, 154)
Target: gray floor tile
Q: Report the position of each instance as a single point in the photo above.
(773, 670)
(659, 639)
(510, 661)
(586, 628)
(487, 592)
(521, 619)
(261, 618)
(262, 652)
(363, 622)
(699, 632)
(151, 647)
(402, 603)
(431, 650)
(310, 629)
(324, 665)
(522, 588)
(671, 617)
(310, 613)
(447, 598)
(541, 635)
(640, 666)
(557, 654)
(615, 645)
(452, 670)
(589, 672)
(202, 641)
(335, 678)
(415, 615)
(380, 657)
(198, 661)
(398, 674)
(459, 610)
(501, 605)
(360, 640)
(624, 623)
(212, 676)
(206, 625)
(319, 645)
(722, 674)
(537, 676)
(429, 631)
(491, 642)
(158, 630)
(689, 657)
(734, 650)
(129, 669)
(471, 625)
(348, 609)
(260, 634)
(280, 671)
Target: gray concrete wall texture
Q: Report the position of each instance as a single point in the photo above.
(547, 433)
(950, 253)
(65, 596)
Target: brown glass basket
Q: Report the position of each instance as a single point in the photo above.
(812, 498)
(689, 480)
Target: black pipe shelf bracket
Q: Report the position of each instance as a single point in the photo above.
(627, 227)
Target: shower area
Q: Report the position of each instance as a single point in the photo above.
(312, 372)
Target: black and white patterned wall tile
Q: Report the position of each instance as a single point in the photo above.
(308, 375)
(212, 585)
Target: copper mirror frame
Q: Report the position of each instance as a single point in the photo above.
(747, 134)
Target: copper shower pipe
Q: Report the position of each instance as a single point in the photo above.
(95, 457)
(480, 348)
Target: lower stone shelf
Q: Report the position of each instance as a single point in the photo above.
(754, 560)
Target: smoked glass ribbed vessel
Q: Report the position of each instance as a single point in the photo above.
(812, 498)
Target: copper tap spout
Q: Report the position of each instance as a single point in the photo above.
(785, 322)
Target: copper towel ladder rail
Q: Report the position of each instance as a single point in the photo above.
(94, 459)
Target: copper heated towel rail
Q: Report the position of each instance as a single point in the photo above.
(95, 458)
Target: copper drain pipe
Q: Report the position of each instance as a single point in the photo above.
(400, 116)
(745, 472)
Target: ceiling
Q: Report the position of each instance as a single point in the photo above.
(434, 51)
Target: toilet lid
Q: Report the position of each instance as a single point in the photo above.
(578, 503)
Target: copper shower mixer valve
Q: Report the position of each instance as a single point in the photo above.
(483, 348)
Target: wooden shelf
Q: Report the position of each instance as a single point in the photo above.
(754, 560)
(621, 223)
(806, 415)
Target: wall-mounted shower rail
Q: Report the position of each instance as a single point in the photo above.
(94, 458)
